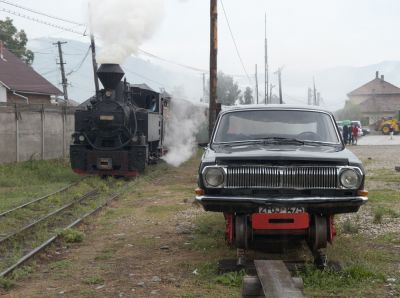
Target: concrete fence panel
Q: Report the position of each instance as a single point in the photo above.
(35, 132)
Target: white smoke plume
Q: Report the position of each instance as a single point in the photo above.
(184, 122)
(123, 25)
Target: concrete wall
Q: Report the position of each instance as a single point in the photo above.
(35, 132)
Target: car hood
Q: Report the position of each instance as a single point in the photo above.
(221, 154)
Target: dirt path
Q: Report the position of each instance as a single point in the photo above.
(138, 247)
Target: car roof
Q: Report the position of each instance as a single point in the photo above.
(227, 109)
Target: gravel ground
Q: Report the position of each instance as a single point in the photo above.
(375, 158)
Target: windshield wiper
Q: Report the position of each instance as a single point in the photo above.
(274, 140)
(240, 143)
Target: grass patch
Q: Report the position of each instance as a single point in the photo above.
(106, 254)
(231, 279)
(349, 227)
(94, 280)
(6, 283)
(20, 182)
(384, 196)
(71, 235)
(209, 232)
(385, 175)
(157, 209)
(335, 282)
(60, 265)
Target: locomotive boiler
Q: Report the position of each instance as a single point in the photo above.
(121, 128)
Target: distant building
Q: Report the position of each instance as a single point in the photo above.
(20, 83)
(376, 99)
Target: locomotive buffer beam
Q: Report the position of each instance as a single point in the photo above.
(273, 280)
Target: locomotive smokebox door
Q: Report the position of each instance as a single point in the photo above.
(104, 163)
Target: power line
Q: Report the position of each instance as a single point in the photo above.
(234, 42)
(18, 14)
(76, 68)
(173, 62)
(42, 13)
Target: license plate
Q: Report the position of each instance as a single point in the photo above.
(289, 210)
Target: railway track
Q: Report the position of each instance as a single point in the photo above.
(273, 280)
(34, 234)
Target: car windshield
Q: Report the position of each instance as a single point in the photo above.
(253, 125)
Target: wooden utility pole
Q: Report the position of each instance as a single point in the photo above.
(64, 81)
(315, 94)
(280, 85)
(213, 64)
(94, 62)
(256, 84)
(266, 99)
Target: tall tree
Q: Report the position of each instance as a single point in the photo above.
(227, 89)
(15, 40)
(247, 96)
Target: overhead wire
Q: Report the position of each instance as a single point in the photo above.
(42, 13)
(234, 42)
(41, 21)
(76, 68)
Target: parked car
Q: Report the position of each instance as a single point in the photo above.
(279, 172)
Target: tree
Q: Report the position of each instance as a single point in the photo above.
(349, 112)
(247, 96)
(15, 40)
(228, 91)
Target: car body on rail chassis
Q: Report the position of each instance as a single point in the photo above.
(279, 171)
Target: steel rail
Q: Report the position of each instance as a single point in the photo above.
(38, 249)
(38, 199)
(47, 216)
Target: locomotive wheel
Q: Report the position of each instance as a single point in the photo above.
(318, 233)
(241, 231)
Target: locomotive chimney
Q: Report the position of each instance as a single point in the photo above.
(110, 75)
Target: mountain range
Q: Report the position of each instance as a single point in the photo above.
(182, 82)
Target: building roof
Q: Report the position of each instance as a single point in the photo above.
(18, 76)
(378, 104)
(376, 86)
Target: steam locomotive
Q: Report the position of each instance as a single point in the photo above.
(120, 130)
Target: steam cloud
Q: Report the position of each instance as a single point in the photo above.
(184, 122)
(123, 25)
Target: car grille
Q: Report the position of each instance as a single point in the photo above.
(282, 177)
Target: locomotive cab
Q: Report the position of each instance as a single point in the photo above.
(120, 130)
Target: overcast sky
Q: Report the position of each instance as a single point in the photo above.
(308, 34)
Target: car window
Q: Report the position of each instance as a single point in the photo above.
(259, 124)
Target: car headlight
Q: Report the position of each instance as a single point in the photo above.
(214, 176)
(349, 178)
(81, 138)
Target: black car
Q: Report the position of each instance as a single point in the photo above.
(277, 170)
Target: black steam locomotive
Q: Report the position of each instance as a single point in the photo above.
(121, 128)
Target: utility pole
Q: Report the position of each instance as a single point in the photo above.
(213, 64)
(279, 72)
(64, 81)
(315, 94)
(309, 96)
(266, 99)
(256, 84)
(270, 92)
(94, 62)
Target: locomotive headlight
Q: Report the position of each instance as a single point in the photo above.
(81, 138)
(214, 176)
(350, 178)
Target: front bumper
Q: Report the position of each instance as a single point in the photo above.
(321, 205)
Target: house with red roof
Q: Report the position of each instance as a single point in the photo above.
(376, 99)
(20, 83)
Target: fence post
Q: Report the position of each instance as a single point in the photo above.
(42, 115)
(63, 115)
(17, 117)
